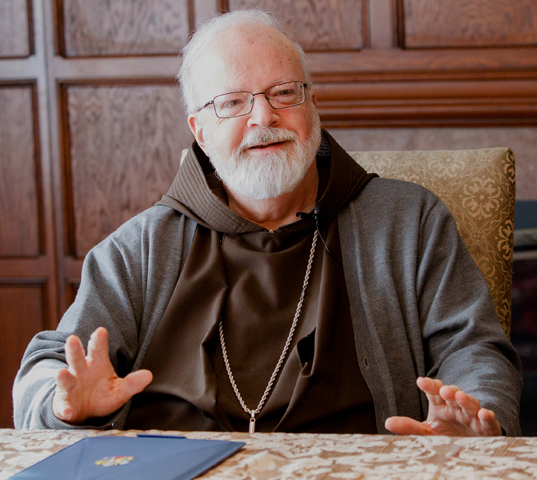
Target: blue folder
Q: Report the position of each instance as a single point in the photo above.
(132, 458)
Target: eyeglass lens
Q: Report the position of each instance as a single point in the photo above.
(241, 103)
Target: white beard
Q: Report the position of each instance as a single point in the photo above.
(266, 176)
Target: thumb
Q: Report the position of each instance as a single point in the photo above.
(407, 426)
(135, 382)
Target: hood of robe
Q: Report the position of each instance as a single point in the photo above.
(198, 193)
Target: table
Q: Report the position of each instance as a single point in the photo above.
(319, 456)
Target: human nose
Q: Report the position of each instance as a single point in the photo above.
(262, 114)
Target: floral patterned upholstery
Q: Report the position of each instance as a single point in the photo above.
(478, 186)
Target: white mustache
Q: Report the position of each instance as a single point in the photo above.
(265, 136)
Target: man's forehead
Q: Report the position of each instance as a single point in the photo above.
(235, 86)
(237, 59)
(250, 34)
(233, 45)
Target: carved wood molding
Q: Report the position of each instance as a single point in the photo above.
(428, 103)
(424, 88)
(400, 64)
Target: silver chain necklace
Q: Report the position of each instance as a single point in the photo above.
(249, 411)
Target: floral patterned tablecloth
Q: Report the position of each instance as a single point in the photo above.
(319, 456)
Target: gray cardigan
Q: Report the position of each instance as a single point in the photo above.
(419, 305)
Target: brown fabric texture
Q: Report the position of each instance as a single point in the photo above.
(252, 278)
(478, 187)
(320, 388)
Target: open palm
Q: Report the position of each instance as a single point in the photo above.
(451, 412)
(90, 387)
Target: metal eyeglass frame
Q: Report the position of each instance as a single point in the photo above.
(305, 85)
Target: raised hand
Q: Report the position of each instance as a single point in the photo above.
(90, 387)
(451, 412)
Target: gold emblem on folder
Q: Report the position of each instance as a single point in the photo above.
(114, 461)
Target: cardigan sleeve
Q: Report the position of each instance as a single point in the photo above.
(126, 283)
(465, 344)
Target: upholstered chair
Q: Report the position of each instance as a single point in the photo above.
(478, 186)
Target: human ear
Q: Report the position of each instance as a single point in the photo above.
(196, 127)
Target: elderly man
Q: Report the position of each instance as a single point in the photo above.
(278, 286)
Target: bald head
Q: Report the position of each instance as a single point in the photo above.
(236, 58)
(222, 39)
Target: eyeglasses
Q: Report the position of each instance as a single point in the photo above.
(237, 104)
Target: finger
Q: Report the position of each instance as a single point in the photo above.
(61, 406)
(490, 425)
(407, 426)
(469, 405)
(135, 382)
(65, 380)
(61, 409)
(98, 347)
(449, 393)
(431, 387)
(75, 355)
(132, 384)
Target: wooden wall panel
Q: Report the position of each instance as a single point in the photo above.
(19, 174)
(523, 142)
(427, 103)
(123, 27)
(318, 25)
(15, 31)
(21, 314)
(72, 289)
(469, 23)
(125, 149)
